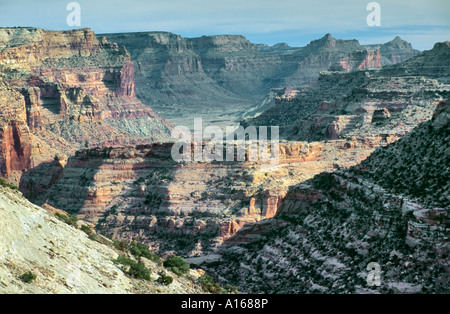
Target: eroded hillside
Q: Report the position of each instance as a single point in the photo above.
(392, 210)
(62, 91)
(40, 254)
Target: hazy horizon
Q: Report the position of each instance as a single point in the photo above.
(295, 22)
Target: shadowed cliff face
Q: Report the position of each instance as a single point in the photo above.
(347, 105)
(190, 207)
(219, 77)
(392, 209)
(62, 91)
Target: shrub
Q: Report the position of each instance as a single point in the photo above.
(120, 245)
(132, 268)
(28, 277)
(231, 289)
(141, 250)
(165, 279)
(177, 265)
(209, 285)
(68, 219)
(5, 183)
(86, 229)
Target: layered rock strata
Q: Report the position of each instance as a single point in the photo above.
(391, 209)
(62, 91)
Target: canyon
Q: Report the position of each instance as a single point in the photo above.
(61, 91)
(343, 105)
(85, 128)
(219, 77)
(391, 209)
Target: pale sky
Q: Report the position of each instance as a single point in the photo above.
(296, 22)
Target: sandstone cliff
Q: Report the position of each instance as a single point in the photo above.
(190, 207)
(61, 91)
(392, 209)
(181, 77)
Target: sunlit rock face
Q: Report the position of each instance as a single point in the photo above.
(221, 77)
(61, 91)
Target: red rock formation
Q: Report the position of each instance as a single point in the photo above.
(359, 60)
(73, 91)
(15, 147)
(140, 191)
(372, 60)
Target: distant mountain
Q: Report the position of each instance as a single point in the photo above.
(278, 49)
(350, 104)
(218, 76)
(395, 51)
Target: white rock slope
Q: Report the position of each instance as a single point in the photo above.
(63, 258)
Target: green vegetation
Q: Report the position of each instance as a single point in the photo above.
(177, 265)
(5, 183)
(28, 277)
(153, 198)
(86, 230)
(120, 245)
(132, 268)
(417, 165)
(140, 250)
(209, 285)
(68, 219)
(165, 279)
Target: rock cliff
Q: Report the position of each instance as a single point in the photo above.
(61, 91)
(190, 207)
(184, 77)
(63, 259)
(392, 209)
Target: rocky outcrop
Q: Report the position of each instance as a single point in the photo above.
(392, 209)
(343, 104)
(15, 147)
(380, 115)
(62, 91)
(64, 259)
(363, 59)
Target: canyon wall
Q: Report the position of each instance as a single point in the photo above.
(391, 209)
(62, 91)
(348, 104)
(131, 192)
(224, 75)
